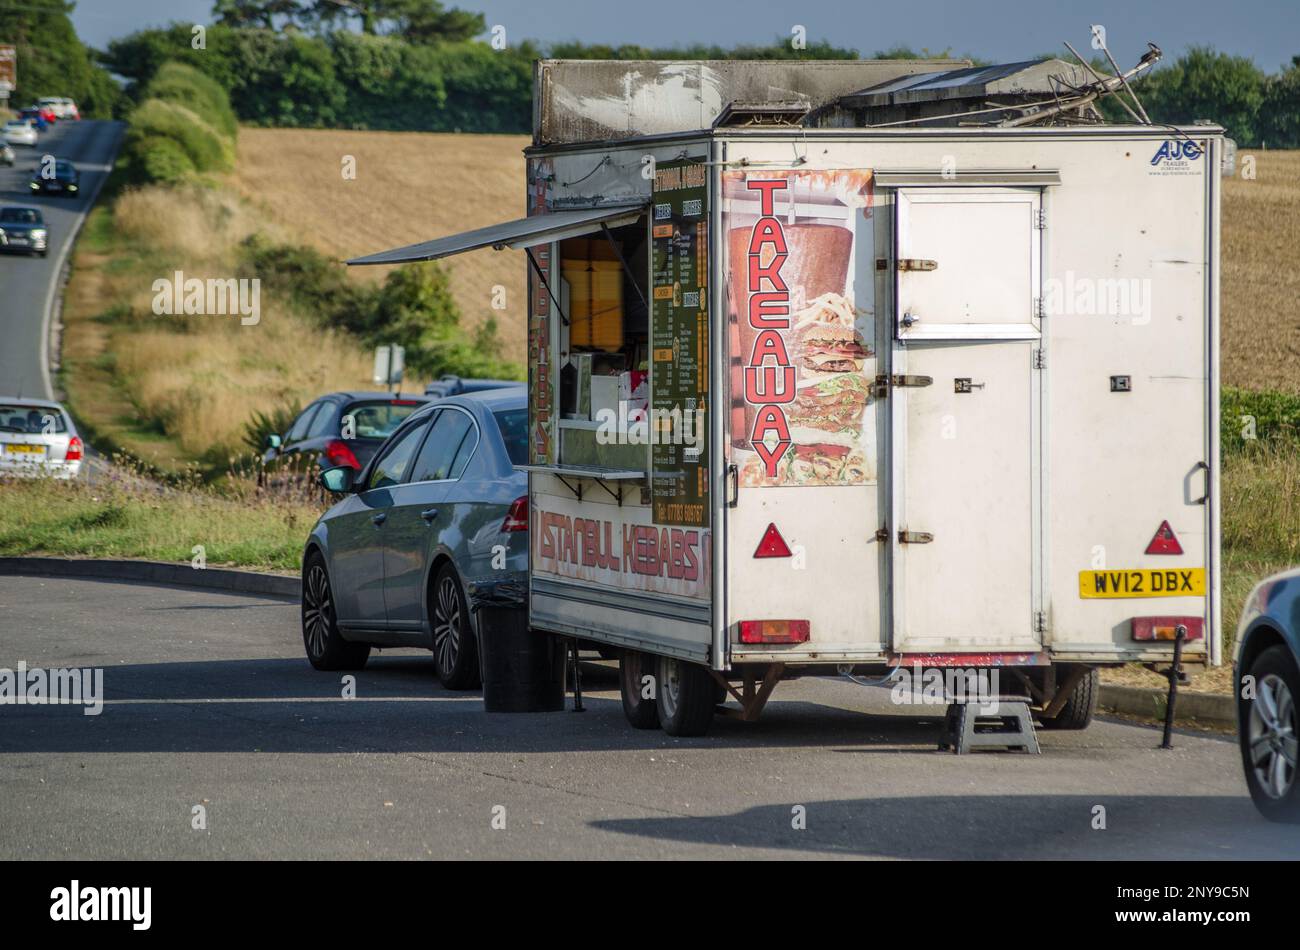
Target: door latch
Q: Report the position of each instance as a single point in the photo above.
(916, 263)
(880, 388)
(915, 537)
(964, 385)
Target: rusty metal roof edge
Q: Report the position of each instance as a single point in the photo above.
(849, 132)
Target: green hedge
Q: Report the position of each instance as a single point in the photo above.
(1266, 418)
(201, 94)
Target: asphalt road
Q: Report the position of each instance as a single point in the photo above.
(27, 284)
(210, 702)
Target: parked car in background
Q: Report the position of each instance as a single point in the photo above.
(344, 428)
(61, 106)
(37, 438)
(62, 179)
(23, 229)
(37, 117)
(7, 155)
(19, 132)
(439, 512)
(1266, 675)
(458, 385)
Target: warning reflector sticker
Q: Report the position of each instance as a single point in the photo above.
(1165, 541)
(1143, 582)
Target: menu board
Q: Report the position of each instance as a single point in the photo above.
(679, 344)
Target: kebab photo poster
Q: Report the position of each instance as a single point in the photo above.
(802, 326)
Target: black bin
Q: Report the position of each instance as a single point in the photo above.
(523, 669)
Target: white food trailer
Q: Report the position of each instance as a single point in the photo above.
(902, 363)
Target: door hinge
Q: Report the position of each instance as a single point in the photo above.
(880, 388)
(916, 263)
(1040, 310)
(1040, 359)
(1040, 220)
(915, 537)
(1040, 622)
(882, 535)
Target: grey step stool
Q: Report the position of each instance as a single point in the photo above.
(1004, 722)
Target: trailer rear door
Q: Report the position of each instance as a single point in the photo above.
(965, 530)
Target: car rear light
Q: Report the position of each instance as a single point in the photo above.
(404, 402)
(517, 517)
(1166, 628)
(338, 453)
(772, 544)
(74, 450)
(774, 631)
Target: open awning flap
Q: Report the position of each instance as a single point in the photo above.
(526, 232)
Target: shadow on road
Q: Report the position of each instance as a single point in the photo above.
(988, 827)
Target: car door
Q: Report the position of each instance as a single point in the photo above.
(421, 520)
(358, 535)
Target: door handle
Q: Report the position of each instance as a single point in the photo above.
(379, 518)
(908, 319)
(733, 475)
(429, 514)
(1203, 467)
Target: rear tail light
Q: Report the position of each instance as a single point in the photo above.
(338, 453)
(1166, 628)
(774, 631)
(74, 450)
(517, 517)
(404, 402)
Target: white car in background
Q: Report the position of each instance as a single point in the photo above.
(19, 132)
(61, 106)
(37, 438)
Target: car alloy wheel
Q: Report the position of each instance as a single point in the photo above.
(446, 624)
(317, 610)
(1272, 736)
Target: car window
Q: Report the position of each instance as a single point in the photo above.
(298, 430)
(378, 420)
(451, 443)
(20, 216)
(323, 424)
(513, 424)
(396, 460)
(31, 420)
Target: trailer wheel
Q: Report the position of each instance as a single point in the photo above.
(686, 697)
(633, 668)
(1078, 709)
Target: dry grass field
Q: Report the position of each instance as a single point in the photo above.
(1261, 274)
(414, 186)
(409, 187)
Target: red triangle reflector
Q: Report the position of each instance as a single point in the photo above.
(1164, 542)
(772, 544)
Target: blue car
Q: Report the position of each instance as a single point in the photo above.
(438, 515)
(1266, 673)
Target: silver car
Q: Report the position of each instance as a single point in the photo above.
(37, 438)
(437, 516)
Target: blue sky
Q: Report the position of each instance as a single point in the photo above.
(1266, 30)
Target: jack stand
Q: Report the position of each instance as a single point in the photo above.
(1005, 722)
(577, 679)
(1180, 634)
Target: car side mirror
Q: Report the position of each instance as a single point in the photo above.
(339, 480)
(273, 441)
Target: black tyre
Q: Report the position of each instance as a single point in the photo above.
(1078, 709)
(325, 646)
(633, 668)
(685, 697)
(1268, 725)
(455, 650)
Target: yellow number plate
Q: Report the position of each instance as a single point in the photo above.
(20, 449)
(1143, 582)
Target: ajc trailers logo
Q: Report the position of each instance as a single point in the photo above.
(1176, 157)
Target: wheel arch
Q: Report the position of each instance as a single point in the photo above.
(1262, 635)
